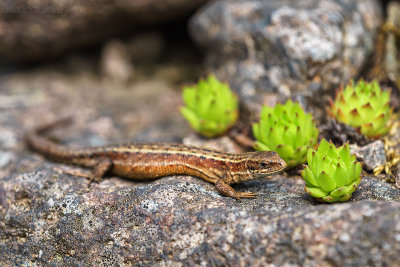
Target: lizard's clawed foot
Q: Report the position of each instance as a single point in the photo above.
(93, 178)
(228, 191)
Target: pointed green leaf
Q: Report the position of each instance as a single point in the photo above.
(351, 172)
(332, 151)
(262, 147)
(256, 131)
(300, 154)
(309, 177)
(316, 163)
(274, 136)
(330, 199)
(189, 97)
(358, 170)
(323, 148)
(284, 151)
(340, 176)
(315, 191)
(309, 155)
(326, 182)
(341, 191)
(344, 154)
(190, 117)
(344, 198)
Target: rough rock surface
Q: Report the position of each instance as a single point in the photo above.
(38, 30)
(286, 46)
(50, 218)
(373, 154)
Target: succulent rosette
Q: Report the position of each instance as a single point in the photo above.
(211, 107)
(364, 106)
(286, 129)
(332, 174)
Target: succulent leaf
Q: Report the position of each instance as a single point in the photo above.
(326, 182)
(210, 107)
(286, 129)
(340, 176)
(261, 146)
(332, 174)
(338, 192)
(309, 177)
(364, 106)
(190, 116)
(316, 192)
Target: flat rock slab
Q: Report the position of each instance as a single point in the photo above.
(51, 218)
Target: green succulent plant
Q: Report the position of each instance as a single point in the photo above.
(287, 130)
(211, 107)
(332, 173)
(364, 106)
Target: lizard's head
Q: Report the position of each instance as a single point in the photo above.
(262, 163)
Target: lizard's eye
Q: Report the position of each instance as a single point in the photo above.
(264, 165)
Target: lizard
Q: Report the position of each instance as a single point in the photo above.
(154, 160)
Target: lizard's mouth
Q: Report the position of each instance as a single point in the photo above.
(270, 172)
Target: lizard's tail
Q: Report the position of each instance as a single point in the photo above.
(54, 124)
(44, 146)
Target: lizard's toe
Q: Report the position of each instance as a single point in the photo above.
(246, 195)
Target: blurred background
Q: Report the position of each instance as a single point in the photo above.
(119, 66)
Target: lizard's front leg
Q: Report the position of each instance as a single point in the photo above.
(226, 190)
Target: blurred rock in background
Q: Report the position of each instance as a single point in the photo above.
(286, 46)
(37, 30)
(115, 62)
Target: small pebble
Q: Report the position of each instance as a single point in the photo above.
(373, 154)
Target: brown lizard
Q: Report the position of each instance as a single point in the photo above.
(153, 160)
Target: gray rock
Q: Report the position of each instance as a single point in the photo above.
(147, 47)
(373, 154)
(286, 46)
(115, 62)
(397, 176)
(55, 220)
(5, 158)
(49, 218)
(223, 143)
(8, 138)
(44, 29)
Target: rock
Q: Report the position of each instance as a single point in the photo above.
(5, 158)
(146, 47)
(50, 218)
(222, 143)
(391, 61)
(373, 154)
(44, 29)
(397, 176)
(55, 220)
(8, 138)
(340, 133)
(286, 46)
(115, 62)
